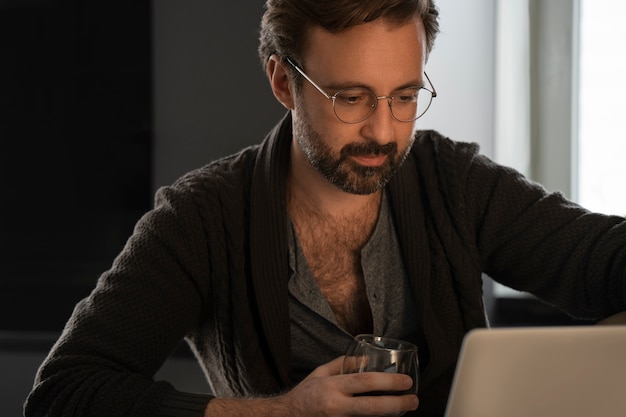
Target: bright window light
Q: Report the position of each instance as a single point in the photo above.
(602, 110)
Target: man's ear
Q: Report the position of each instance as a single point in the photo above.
(278, 75)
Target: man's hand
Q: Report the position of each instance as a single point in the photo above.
(326, 393)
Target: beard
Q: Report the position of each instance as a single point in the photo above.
(342, 171)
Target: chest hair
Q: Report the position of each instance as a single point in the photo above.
(332, 247)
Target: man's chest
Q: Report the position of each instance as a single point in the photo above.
(337, 270)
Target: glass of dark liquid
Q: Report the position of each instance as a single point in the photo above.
(369, 353)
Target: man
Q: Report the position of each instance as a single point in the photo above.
(344, 220)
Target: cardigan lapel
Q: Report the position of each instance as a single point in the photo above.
(407, 203)
(268, 246)
(408, 214)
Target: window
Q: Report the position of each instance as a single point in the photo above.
(602, 114)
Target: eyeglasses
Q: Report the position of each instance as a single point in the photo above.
(355, 104)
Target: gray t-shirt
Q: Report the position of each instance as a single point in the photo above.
(316, 338)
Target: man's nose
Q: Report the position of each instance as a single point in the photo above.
(379, 127)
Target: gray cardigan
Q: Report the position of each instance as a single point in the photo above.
(210, 264)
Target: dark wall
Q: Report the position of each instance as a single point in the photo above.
(211, 96)
(76, 135)
(100, 105)
(76, 145)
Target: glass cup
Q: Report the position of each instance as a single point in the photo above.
(369, 353)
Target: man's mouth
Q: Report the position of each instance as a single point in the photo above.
(370, 160)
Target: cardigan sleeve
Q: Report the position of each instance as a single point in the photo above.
(539, 242)
(118, 337)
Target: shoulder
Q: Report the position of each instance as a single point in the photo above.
(224, 172)
(436, 154)
(432, 143)
(207, 193)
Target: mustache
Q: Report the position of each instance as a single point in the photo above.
(368, 149)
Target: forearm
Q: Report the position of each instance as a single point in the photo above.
(253, 407)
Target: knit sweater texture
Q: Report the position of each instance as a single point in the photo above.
(210, 264)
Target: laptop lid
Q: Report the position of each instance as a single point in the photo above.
(577, 371)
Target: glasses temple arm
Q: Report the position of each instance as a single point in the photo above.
(301, 72)
(433, 92)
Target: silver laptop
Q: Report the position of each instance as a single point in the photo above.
(577, 371)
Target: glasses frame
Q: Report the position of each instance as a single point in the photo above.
(389, 98)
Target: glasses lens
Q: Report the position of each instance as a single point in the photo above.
(354, 104)
(405, 103)
(424, 100)
(410, 104)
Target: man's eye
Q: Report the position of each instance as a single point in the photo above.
(353, 97)
(407, 97)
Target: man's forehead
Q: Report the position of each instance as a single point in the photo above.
(377, 46)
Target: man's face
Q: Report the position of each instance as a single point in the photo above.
(358, 158)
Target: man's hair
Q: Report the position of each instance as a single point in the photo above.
(285, 22)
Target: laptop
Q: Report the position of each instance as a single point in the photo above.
(577, 371)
